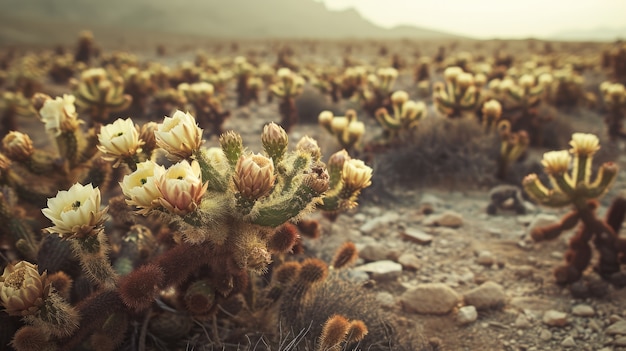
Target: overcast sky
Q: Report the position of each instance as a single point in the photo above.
(492, 18)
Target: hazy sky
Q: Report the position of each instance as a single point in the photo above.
(491, 18)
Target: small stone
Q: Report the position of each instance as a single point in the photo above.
(381, 270)
(555, 318)
(485, 258)
(583, 310)
(488, 295)
(522, 322)
(545, 335)
(417, 236)
(376, 222)
(568, 342)
(409, 261)
(374, 252)
(617, 328)
(541, 220)
(467, 315)
(430, 298)
(449, 219)
(385, 299)
(621, 341)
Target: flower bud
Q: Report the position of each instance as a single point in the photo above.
(274, 139)
(451, 73)
(464, 80)
(492, 108)
(325, 119)
(147, 136)
(356, 175)
(309, 145)
(181, 187)
(399, 97)
(76, 211)
(23, 289)
(527, 81)
(17, 146)
(179, 135)
(254, 176)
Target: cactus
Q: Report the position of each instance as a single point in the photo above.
(288, 87)
(576, 188)
(347, 129)
(207, 108)
(614, 96)
(406, 117)
(99, 95)
(459, 96)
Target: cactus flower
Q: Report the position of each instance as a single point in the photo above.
(59, 114)
(181, 187)
(254, 176)
(17, 146)
(119, 140)
(556, 162)
(179, 135)
(140, 186)
(75, 211)
(23, 289)
(356, 175)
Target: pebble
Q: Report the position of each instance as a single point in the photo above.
(381, 270)
(449, 219)
(522, 322)
(376, 222)
(545, 335)
(583, 310)
(417, 236)
(617, 328)
(467, 315)
(555, 318)
(485, 258)
(386, 299)
(430, 298)
(488, 295)
(374, 252)
(568, 342)
(541, 220)
(409, 261)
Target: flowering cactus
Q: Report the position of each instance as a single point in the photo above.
(347, 129)
(575, 188)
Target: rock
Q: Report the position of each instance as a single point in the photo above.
(430, 298)
(617, 328)
(381, 270)
(555, 318)
(449, 219)
(583, 310)
(374, 252)
(541, 220)
(467, 315)
(417, 236)
(409, 261)
(376, 222)
(522, 322)
(485, 258)
(568, 342)
(545, 335)
(488, 295)
(386, 299)
(621, 341)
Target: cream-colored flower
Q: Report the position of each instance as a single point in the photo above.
(17, 146)
(254, 176)
(545, 79)
(399, 97)
(181, 187)
(119, 140)
(76, 211)
(325, 119)
(309, 145)
(584, 144)
(451, 73)
(339, 124)
(140, 186)
(464, 80)
(179, 135)
(616, 91)
(492, 108)
(23, 289)
(556, 162)
(356, 130)
(527, 81)
(356, 175)
(59, 115)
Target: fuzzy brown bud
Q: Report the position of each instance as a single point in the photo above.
(17, 146)
(254, 176)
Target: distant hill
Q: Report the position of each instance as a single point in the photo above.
(215, 18)
(596, 34)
